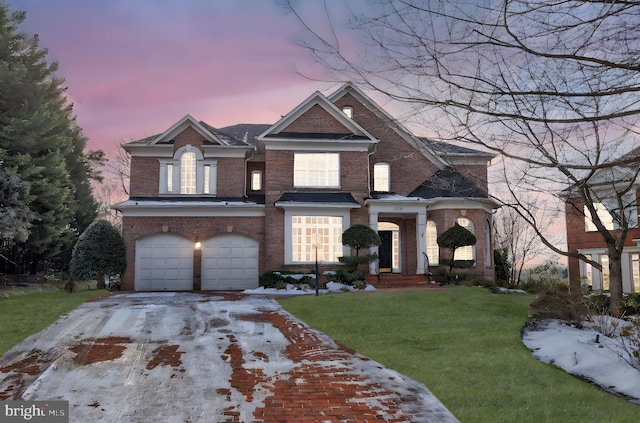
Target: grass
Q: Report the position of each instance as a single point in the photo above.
(25, 315)
(465, 346)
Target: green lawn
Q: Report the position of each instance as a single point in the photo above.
(23, 316)
(464, 345)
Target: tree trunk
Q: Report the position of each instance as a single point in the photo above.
(615, 281)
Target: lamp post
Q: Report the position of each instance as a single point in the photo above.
(314, 241)
(317, 272)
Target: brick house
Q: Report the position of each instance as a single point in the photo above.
(584, 238)
(215, 208)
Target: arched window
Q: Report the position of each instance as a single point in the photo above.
(381, 179)
(468, 252)
(256, 180)
(433, 251)
(188, 173)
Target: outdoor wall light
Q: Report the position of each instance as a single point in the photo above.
(198, 244)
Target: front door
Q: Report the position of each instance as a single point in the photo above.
(385, 250)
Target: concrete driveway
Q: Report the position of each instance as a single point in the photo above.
(191, 357)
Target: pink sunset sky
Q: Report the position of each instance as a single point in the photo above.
(134, 68)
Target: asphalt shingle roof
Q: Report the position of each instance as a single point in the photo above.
(448, 183)
(318, 197)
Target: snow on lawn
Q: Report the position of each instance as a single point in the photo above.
(586, 353)
(306, 289)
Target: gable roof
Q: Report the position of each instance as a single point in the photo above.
(277, 131)
(448, 183)
(390, 121)
(181, 125)
(230, 136)
(453, 150)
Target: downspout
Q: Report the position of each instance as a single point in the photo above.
(375, 147)
(246, 168)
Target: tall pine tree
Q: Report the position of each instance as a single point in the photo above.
(44, 148)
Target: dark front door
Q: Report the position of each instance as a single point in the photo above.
(385, 249)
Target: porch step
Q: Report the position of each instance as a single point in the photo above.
(395, 280)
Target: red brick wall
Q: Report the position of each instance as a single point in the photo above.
(578, 238)
(145, 172)
(231, 177)
(188, 136)
(318, 120)
(476, 174)
(202, 228)
(409, 168)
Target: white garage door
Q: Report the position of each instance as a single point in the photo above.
(229, 261)
(164, 262)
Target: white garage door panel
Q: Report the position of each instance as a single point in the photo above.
(164, 262)
(229, 261)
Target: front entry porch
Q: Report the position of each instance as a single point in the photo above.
(401, 223)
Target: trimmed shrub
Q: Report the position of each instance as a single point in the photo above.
(99, 252)
(269, 279)
(556, 302)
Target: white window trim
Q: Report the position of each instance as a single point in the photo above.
(473, 247)
(253, 173)
(297, 183)
(345, 213)
(381, 167)
(434, 254)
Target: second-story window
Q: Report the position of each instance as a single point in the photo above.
(381, 179)
(256, 180)
(348, 110)
(188, 173)
(316, 170)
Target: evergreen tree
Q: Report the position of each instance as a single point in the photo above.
(99, 252)
(42, 145)
(15, 216)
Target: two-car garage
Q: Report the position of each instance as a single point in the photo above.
(164, 262)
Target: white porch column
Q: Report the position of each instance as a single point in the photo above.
(373, 223)
(421, 242)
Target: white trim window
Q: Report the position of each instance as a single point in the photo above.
(604, 262)
(188, 173)
(433, 250)
(381, 177)
(256, 180)
(468, 252)
(635, 271)
(605, 217)
(316, 233)
(316, 170)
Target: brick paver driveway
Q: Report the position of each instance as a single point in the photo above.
(192, 357)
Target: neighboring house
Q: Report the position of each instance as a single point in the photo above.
(215, 208)
(584, 238)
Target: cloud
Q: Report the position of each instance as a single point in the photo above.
(136, 67)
